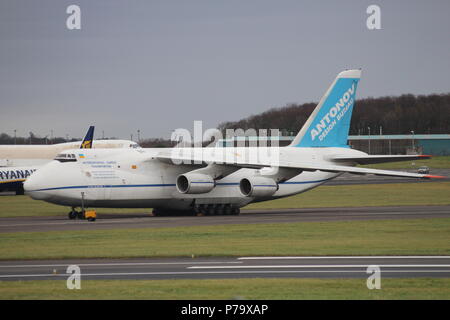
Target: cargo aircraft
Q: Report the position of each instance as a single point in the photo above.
(215, 180)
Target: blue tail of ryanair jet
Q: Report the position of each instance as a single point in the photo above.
(87, 141)
(329, 124)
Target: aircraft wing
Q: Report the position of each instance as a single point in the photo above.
(371, 159)
(362, 171)
(204, 159)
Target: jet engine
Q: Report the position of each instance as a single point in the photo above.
(258, 186)
(193, 183)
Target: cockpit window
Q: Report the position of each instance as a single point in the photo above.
(66, 157)
(134, 146)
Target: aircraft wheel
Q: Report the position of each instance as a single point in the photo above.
(80, 215)
(227, 210)
(211, 211)
(220, 211)
(73, 215)
(204, 210)
(235, 211)
(197, 211)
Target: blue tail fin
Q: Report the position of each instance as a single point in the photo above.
(329, 124)
(87, 141)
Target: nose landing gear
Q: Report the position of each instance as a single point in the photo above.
(74, 214)
(83, 214)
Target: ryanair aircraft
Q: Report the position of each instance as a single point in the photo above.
(27, 159)
(12, 178)
(214, 180)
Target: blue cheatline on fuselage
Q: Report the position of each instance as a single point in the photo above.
(163, 185)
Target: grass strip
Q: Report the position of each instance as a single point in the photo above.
(369, 237)
(251, 288)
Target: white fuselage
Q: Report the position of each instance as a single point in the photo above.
(135, 178)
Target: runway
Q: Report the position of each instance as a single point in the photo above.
(222, 268)
(120, 221)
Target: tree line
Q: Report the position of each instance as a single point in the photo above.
(36, 140)
(32, 139)
(423, 114)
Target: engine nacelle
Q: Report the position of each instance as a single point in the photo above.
(258, 186)
(193, 183)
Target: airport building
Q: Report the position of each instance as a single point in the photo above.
(432, 144)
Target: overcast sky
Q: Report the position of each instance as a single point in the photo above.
(160, 65)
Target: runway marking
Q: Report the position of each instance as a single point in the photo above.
(325, 266)
(230, 262)
(218, 272)
(346, 257)
(115, 264)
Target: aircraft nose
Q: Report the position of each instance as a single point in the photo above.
(34, 186)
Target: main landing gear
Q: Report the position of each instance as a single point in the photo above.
(216, 210)
(199, 210)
